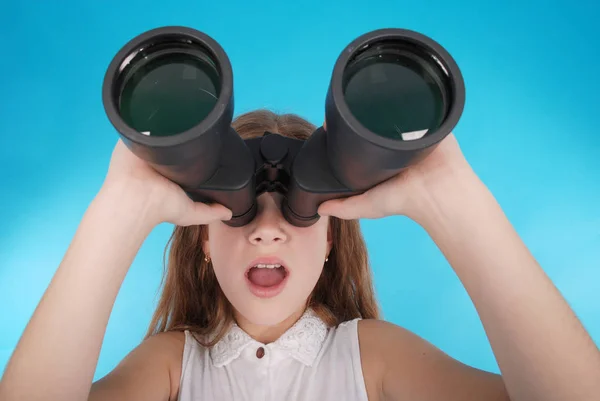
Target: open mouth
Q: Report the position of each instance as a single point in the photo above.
(266, 278)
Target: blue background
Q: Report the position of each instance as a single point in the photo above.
(529, 129)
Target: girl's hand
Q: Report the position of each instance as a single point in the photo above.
(410, 190)
(157, 197)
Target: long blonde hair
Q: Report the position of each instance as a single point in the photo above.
(191, 297)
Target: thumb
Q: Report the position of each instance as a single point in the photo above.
(203, 213)
(350, 208)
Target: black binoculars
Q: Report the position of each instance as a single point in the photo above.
(394, 95)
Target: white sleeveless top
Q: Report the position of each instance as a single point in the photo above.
(308, 362)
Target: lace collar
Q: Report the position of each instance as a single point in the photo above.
(302, 341)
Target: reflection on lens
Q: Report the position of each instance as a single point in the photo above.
(395, 93)
(169, 94)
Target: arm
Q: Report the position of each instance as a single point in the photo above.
(543, 351)
(57, 354)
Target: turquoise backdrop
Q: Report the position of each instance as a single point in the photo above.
(530, 130)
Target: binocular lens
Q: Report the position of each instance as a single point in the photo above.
(169, 91)
(393, 95)
(396, 91)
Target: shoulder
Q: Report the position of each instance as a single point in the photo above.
(397, 345)
(382, 341)
(170, 346)
(399, 363)
(367, 328)
(169, 339)
(379, 335)
(151, 369)
(386, 348)
(167, 349)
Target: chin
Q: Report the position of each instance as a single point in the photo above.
(266, 312)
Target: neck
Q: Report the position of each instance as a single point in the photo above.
(268, 334)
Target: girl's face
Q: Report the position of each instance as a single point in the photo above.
(245, 260)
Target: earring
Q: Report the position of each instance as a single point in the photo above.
(326, 259)
(206, 259)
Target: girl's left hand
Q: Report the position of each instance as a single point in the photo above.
(406, 192)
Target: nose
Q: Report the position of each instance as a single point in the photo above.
(268, 226)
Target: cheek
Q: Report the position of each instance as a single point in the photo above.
(225, 247)
(321, 231)
(312, 243)
(222, 242)
(310, 255)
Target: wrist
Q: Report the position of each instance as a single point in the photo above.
(449, 197)
(127, 205)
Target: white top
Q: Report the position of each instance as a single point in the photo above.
(308, 362)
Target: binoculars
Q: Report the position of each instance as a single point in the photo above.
(394, 95)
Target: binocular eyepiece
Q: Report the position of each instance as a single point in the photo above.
(394, 95)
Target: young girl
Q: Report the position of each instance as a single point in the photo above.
(270, 311)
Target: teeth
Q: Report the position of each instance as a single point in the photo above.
(265, 266)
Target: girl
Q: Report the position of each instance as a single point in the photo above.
(270, 311)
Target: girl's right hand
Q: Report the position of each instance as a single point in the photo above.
(161, 199)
